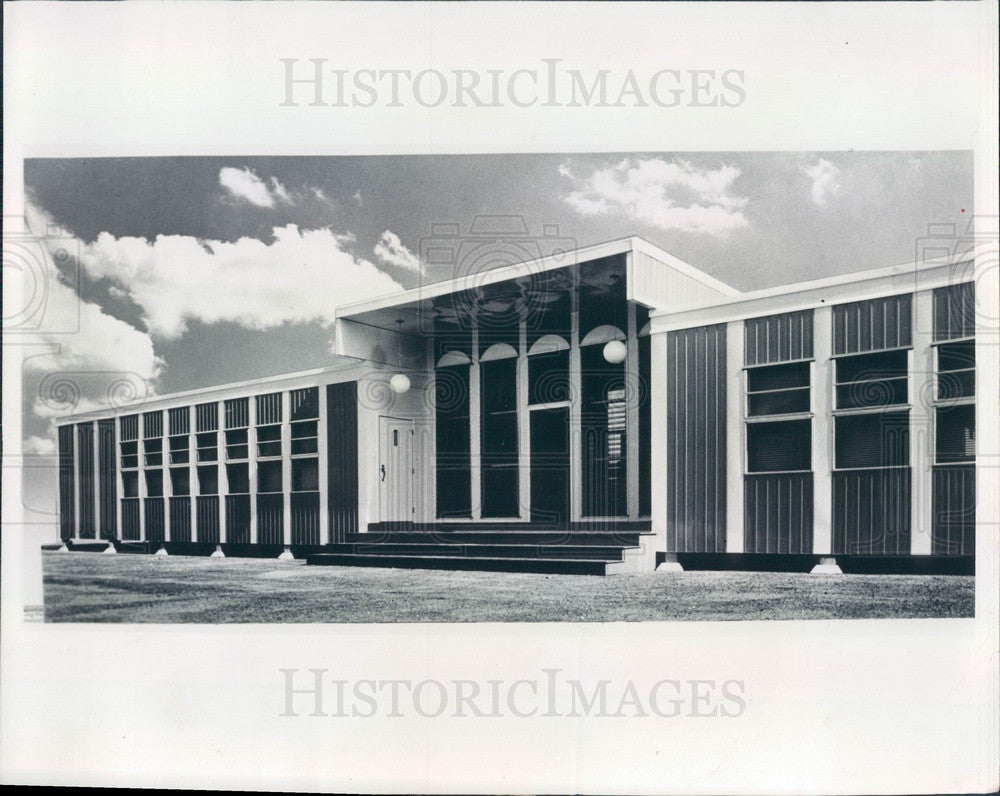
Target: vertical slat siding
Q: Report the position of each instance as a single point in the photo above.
(955, 311)
(270, 519)
(85, 480)
(67, 486)
(304, 403)
(778, 515)
(152, 425)
(237, 413)
(342, 458)
(130, 519)
(954, 507)
(873, 325)
(305, 518)
(871, 511)
(108, 474)
(180, 518)
(207, 518)
(238, 519)
(179, 420)
(696, 440)
(779, 338)
(155, 519)
(130, 428)
(268, 409)
(206, 417)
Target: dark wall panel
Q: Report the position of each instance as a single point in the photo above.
(67, 512)
(130, 519)
(238, 519)
(954, 508)
(696, 440)
(873, 325)
(180, 519)
(778, 515)
(305, 518)
(871, 511)
(779, 338)
(342, 458)
(85, 479)
(108, 475)
(155, 516)
(207, 519)
(270, 519)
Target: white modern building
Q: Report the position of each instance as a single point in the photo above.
(595, 411)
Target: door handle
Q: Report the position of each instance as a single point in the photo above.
(382, 470)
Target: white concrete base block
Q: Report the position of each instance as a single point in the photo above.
(63, 548)
(217, 553)
(109, 550)
(286, 555)
(670, 566)
(826, 566)
(161, 552)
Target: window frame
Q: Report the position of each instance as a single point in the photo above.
(755, 420)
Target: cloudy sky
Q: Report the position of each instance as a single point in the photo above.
(185, 272)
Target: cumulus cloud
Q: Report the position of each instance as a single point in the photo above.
(825, 182)
(391, 251)
(299, 276)
(246, 185)
(38, 446)
(666, 194)
(82, 356)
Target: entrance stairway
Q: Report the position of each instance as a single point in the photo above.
(584, 548)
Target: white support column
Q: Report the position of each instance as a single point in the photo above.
(286, 466)
(168, 481)
(76, 481)
(523, 426)
(252, 463)
(192, 474)
(475, 429)
(322, 470)
(95, 457)
(576, 397)
(658, 437)
(822, 430)
(921, 386)
(220, 463)
(632, 395)
(116, 454)
(735, 437)
(141, 473)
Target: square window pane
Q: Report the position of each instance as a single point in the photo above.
(305, 475)
(180, 483)
(779, 446)
(777, 377)
(957, 356)
(956, 433)
(238, 476)
(208, 480)
(880, 439)
(269, 476)
(778, 403)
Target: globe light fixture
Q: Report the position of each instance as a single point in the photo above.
(615, 351)
(400, 382)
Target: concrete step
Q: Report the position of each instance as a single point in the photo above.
(561, 566)
(494, 537)
(587, 552)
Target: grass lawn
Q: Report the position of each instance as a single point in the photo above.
(90, 587)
